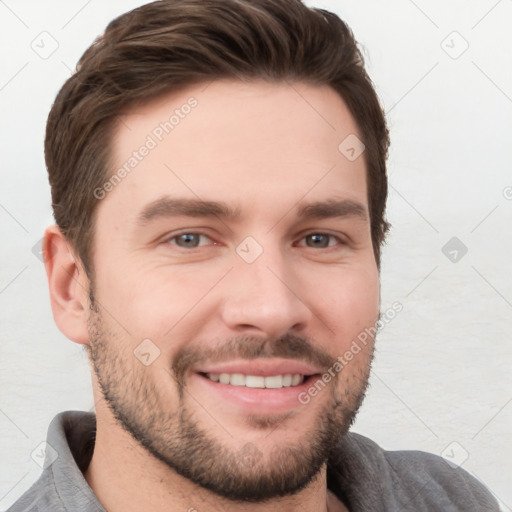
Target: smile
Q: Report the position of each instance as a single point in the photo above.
(257, 381)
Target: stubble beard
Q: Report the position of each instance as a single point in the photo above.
(174, 436)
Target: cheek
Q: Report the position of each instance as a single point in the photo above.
(157, 303)
(350, 302)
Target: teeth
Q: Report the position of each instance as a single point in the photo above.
(237, 379)
(252, 381)
(257, 381)
(274, 382)
(296, 379)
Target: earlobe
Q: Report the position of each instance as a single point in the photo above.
(68, 286)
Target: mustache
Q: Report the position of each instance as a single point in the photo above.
(288, 346)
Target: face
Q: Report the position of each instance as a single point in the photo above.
(233, 267)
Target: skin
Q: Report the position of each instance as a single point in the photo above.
(265, 150)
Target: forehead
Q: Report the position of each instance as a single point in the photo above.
(250, 143)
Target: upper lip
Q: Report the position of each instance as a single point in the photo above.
(261, 367)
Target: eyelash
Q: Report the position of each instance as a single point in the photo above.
(317, 233)
(320, 233)
(187, 233)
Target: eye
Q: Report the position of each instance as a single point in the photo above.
(188, 240)
(319, 240)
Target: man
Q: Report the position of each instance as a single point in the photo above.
(219, 185)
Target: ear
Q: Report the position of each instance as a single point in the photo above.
(69, 286)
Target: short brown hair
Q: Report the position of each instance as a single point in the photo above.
(171, 44)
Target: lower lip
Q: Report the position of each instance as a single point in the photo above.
(254, 400)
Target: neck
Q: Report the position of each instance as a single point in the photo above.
(145, 483)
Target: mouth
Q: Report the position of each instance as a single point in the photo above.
(260, 386)
(258, 381)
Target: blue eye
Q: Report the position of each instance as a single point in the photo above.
(320, 240)
(187, 240)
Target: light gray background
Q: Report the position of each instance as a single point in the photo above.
(441, 381)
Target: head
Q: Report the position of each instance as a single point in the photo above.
(219, 186)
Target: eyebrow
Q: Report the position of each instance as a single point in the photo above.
(333, 208)
(173, 207)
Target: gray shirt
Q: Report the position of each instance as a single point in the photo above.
(363, 475)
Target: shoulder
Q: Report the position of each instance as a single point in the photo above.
(42, 496)
(61, 486)
(407, 480)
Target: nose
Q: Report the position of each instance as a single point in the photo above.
(264, 298)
